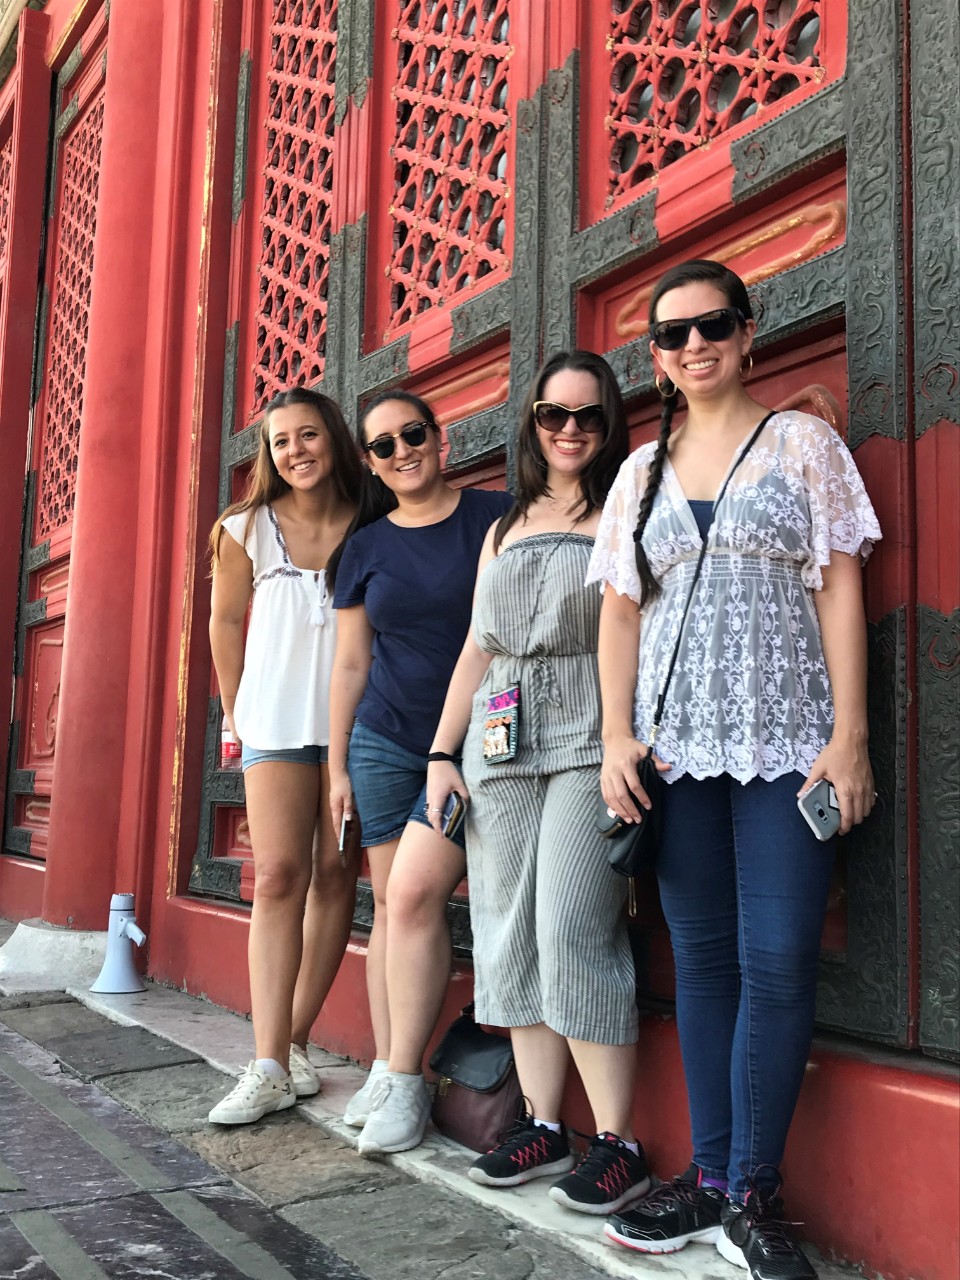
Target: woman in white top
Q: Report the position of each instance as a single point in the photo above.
(768, 697)
(272, 547)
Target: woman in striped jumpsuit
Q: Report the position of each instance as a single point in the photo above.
(551, 955)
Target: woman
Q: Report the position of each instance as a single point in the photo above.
(551, 956)
(402, 594)
(768, 696)
(272, 547)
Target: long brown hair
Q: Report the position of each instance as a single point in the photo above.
(600, 472)
(266, 485)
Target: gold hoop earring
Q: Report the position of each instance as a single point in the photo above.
(745, 376)
(659, 385)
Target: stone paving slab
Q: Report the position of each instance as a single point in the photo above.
(415, 1231)
(95, 1193)
(286, 1158)
(176, 1099)
(33, 999)
(41, 1021)
(92, 1054)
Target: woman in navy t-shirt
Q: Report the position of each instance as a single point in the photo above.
(403, 593)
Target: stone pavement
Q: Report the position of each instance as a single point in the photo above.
(288, 1197)
(89, 1190)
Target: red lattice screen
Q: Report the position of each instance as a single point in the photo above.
(449, 202)
(6, 179)
(69, 313)
(291, 313)
(683, 73)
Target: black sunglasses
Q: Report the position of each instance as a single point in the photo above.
(713, 326)
(413, 434)
(554, 417)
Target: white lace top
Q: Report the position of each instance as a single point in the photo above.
(750, 695)
(284, 697)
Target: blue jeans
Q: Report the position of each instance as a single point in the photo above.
(389, 786)
(743, 883)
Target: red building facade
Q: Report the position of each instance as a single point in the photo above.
(203, 202)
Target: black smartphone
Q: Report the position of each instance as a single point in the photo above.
(454, 812)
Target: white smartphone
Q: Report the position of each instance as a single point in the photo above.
(820, 809)
(344, 823)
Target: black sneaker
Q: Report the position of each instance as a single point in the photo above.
(608, 1177)
(671, 1216)
(528, 1151)
(754, 1235)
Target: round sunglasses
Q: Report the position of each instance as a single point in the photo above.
(413, 434)
(554, 417)
(713, 326)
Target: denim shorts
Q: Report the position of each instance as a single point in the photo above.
(389, 786)
(292, 755)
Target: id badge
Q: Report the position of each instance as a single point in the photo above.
(501, 729)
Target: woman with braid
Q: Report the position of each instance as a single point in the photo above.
(768, 696)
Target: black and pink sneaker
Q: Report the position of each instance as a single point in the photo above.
(673, 1215)
(608, 1178)
(755, 1236)
(529, 1151)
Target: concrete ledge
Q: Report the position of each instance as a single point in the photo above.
(42, 957)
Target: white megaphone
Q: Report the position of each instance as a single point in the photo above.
(119, 974)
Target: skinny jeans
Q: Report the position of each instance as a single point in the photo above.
(743, 884)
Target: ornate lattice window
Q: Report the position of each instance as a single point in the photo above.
(291, 314)
(6, 178)
(684, 72)
(69, 314)
(448, 208)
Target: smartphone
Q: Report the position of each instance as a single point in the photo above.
(344, 824)
(454, 812)
(820, 809)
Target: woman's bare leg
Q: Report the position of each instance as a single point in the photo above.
(608, 1072)
(541, 1057)
(282, 812)
(327, 918)
(380, 858)
(426, 870)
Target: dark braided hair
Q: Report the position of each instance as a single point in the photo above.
(696, 271)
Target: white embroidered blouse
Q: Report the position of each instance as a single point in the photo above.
(750, 694)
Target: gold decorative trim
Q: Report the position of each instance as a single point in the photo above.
(496, 395)
(826, 221)
(189, 577)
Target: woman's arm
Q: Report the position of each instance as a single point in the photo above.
(443, 776)
(351, 666)
(843, 629)
(230, 598)
(617, 655)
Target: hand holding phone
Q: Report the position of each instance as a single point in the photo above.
(454, 812)
(345, 822)
(820, 809)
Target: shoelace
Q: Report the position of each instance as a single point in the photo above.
(763, 1213)
(678, 1189)
(595, 1163)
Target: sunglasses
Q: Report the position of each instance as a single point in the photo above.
(554, 417)
(413, 434)
(713, 326)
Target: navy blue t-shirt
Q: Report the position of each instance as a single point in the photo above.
(417, 588)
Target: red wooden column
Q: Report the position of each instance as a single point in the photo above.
(92, 731)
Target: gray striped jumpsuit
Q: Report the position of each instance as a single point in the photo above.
(548, 917)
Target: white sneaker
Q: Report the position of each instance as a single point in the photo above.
(358, 1108)
(254, 1095)
(305, 1077)
(398, 1116)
